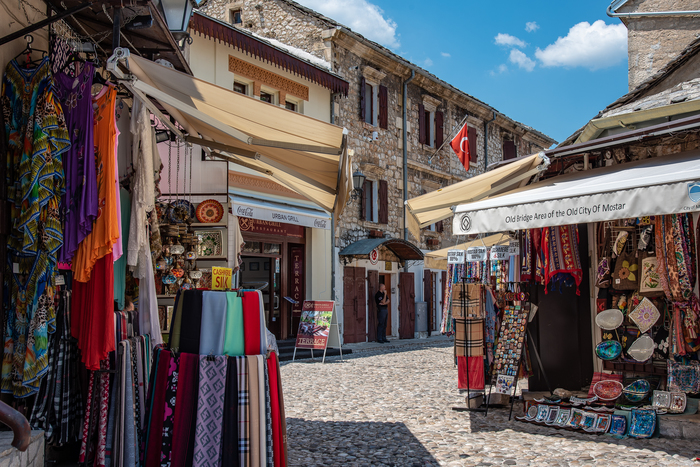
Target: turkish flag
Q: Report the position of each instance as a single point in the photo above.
(460, 145)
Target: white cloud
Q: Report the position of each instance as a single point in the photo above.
(592, 46)
(523, 61)
(445, 54)
(508, 40)
(502, 68)
(531, 26)
(360, 16)
(428, 62)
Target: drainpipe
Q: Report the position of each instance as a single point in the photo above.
(486, 140)
(405, 152)
(333, 106)
(613, 14)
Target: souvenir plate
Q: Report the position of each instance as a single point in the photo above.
(609, 319)
(645, 315)
(542, 412)
(618, 425)
(603, 423)
(552, 415)
(609, 350)
(642, 349)
(532, 412)
(211, 243)
(637, 391)
(678, 401)
(180, 210)
(563, 417)
(643, 423)
(607, 390)
(683, 378)
(209, 211)
(588, 421)
(576, 417)
(661, 400)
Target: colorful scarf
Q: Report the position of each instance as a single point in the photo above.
(169, 413)
(251, 321)
(243, 412)
(210, 406)
(562, 262)
(185, 412)
(229, 431)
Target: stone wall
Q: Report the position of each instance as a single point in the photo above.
(655, 41)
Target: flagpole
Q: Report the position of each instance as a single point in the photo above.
(449, 138)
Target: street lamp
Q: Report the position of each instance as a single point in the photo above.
(177, 15)
(358, 181)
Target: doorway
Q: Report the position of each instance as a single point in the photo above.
(263, 273)
(386, 280)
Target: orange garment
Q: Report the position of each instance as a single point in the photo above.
(105, 230)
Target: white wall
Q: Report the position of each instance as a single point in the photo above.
(209, 61)
(13, 19)
(318, 264)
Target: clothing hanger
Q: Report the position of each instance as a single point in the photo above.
(28, 52)
(74, 57)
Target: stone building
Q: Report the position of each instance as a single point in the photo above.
(657, 31)
(373, 113)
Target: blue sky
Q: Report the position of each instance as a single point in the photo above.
(550, 65)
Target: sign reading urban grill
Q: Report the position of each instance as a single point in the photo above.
(456, 256)
(654, 200)
(271, 228)
(273, 215)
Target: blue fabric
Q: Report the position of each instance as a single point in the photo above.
(120, 264)
(213, 332)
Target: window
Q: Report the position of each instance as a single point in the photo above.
(240, 87)
(290, 106)
(428, 122)
(471, 134)
(430, 127)
(374, 104)
(267, 97)
(509, 150)
(235, 16)
(375, 201)
(369, 103)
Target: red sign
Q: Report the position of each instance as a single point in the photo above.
(297, 286)
(271, 228)
(315, 324)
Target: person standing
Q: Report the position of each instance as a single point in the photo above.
(382, 301)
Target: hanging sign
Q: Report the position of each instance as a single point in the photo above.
(500, 252)
(514, 247)
(315, 324)
(456, 256)
(374, 256)
(477, 253)
(221, 278)
(298, 286)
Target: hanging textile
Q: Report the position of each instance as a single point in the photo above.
(229, 430)
(234, 341)
(251, 321)
(120, 264)
(37, 138)
(213, 330)
(210, 406)
(470, 374)
(243, 412)
(184, 421)
(562, 263)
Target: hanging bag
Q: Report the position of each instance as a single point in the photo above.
(603, 274)
(626, 275)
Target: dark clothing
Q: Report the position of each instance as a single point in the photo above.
(382, 316)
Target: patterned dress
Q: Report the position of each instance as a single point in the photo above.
(37, 137)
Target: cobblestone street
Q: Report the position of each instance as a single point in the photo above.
(393, 407)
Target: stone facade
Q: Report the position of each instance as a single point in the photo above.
(654, 41)
(32, 457)
(378, 152)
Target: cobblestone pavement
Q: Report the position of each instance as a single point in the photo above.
(394, 407)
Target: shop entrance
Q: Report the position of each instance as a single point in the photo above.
(386, 280)
(263, 273)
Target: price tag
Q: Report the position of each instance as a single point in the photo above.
(15, 268)
(60, 280)
(456, 256)
(476, 253)
(514, 247)
(221, 278)
(500, 252)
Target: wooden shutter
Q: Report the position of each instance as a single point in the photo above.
(367, 186)
(471, 134)
(509, 150)
(383, 192)
(439, 137)
(438, 226)
(362, 99)
(383, 107)
(422, 130)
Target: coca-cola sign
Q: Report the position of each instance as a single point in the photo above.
(282, 216)
(244, 211)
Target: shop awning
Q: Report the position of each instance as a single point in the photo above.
(429, 208)
(271, 211)
(401, 248)
(304, 154)
(438, 259)
(654, 186)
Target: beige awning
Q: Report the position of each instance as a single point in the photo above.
(435, 206)
(304, 154)
(438, 259)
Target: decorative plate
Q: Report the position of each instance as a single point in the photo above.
(642, 349)
(180, 210)
(576, 417)
(532, 412)
(643, 423)
(563, 417)
(552, 415)
(211, 243)
(588, 421)
(209, 211)
(618, 425)
(603, 423)
(607, 390)
(609, 320)
(678, 401)
(542, 412)
(205, 280)
(609, 350)
(645, 315)
(637, 391)
(683, 378)
(661, 400)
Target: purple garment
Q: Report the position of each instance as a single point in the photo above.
(80, 200)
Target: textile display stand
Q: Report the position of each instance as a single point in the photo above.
(316, 328)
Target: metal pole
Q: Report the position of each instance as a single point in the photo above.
(449, 138)
(405, 153)
(50, 20)
(116, 26)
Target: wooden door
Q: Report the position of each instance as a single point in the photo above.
(428, 296)
(354, 305)
(407, 306)
(443, 282)
(372, 288)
